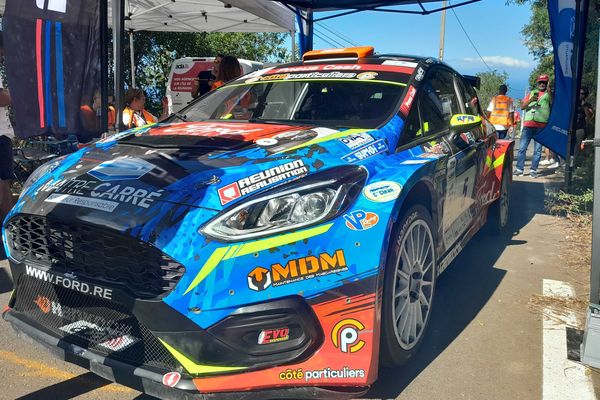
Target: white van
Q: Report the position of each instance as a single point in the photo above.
(185, 70)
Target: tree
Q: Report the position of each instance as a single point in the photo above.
(156, 51)
(536, 35)
(488, 87)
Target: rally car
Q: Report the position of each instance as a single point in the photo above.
(279, 237)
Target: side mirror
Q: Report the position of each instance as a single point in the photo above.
(464, 122)
(460, 127)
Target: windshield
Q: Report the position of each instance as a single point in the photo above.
(331, 103)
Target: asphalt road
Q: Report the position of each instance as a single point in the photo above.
(483, 341)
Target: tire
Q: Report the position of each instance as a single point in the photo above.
(497, 222)
(408, 288)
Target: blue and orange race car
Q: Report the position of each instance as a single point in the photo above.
(279, 237)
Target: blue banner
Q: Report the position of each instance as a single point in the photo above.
(564, 35)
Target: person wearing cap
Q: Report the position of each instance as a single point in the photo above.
(585, 116)
(536, 106)
(501, 112)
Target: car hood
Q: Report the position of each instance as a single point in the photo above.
(134, 176)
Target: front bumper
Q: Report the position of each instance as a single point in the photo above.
(150, 382)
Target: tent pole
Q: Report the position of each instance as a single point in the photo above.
(104, 66)
(595, 270)
(293, 36)
(309, 29)
(118, 21)
(132, 58)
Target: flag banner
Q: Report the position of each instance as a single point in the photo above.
(52, 53)
(564, 39)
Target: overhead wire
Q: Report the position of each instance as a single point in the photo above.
(469, 38)
(338, 34)
(323, 39)
(331, 40)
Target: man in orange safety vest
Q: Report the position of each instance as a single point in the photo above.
(501, 112)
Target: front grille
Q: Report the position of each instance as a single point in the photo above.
(95, 253)
(104, 327)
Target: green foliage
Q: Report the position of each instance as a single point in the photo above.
(490, 81)
(156, 51)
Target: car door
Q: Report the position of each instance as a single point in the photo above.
(440, 102)
(484, 142)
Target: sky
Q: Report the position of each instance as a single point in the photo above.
(493, 26)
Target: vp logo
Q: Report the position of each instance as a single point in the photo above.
(259, 279)
(53, 5)
(361, 220)
(345, 335)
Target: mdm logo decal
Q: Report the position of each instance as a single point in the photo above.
(296, 270)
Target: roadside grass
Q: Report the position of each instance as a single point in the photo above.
(575, 209)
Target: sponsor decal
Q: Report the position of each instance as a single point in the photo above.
(367, 75)
(420, 74)
(408, 100)
(119, 343)
(382, 192)
(344, 335)
(100, 196)
(122, 168)
(260, 180)
(259, 279)
(80, 328)
(266, 142)
(171, 379)
(356, 140)
(308, 68)
(43, 303)
(46, 306)
(296, 270)
(58, 280)
(397, 63)
(325, 373)
(449, 257)
(465, 118)
(310, 75)
(366, 151)
(267, 336)
(361, 220)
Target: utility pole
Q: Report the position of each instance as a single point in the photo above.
(442, 32)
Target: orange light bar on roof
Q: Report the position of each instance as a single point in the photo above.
(348, 52)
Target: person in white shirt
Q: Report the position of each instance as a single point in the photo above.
(6, 154)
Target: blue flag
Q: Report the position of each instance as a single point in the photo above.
(565, 36)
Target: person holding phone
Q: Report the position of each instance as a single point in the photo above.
(536, 106)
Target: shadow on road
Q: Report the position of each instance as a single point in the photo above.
(464, 289)
(68, 389)
(6, 283)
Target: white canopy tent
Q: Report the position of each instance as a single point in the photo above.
(198, 15)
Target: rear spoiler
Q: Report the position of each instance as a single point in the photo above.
(472, 80)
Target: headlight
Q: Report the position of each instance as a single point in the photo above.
(41, 171)
(311, 200)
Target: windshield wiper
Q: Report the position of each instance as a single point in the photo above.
(180, 116)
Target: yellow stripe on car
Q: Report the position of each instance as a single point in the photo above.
(238, 250)
(499, 161)
(193, 368)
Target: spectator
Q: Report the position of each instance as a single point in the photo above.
(516, 132)
(501, 112)
(585, 116)
(537, 106)
(90, 118)
(228, 70)
(135, 115)
(6, 154)
(203, 83)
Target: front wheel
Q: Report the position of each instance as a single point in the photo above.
(409, 285)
